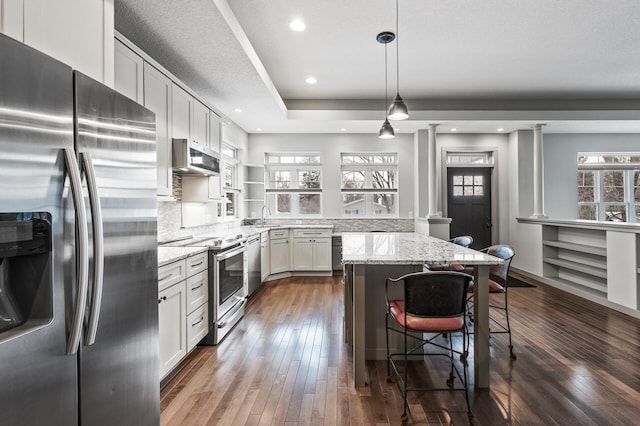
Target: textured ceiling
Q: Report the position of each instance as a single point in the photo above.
(471, 64)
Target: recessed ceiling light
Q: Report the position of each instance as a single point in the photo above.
(501, 129)
(297, 25)
(259, 129)
(454, 130)
(343, 130)
(238, 110)
(311, 80)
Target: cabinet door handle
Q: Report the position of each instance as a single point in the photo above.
(166, 277)
(197, 287)
(161, 299)
(197, 322)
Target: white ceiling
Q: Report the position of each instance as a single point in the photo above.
(473, 65)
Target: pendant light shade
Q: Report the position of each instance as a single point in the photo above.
(398, 109)
(386, 131)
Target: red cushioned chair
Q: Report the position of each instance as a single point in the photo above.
(498, 285)
(434, 304)
(462, 240)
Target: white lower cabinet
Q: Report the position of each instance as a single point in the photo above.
(197, 326)
(183, 310)
(312, 250)
(265, 255)
(172, 316)
(279, 244)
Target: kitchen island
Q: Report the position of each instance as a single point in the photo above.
(369, 258)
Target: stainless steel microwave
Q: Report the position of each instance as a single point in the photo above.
(189, 157)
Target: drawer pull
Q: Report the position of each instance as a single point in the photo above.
(197, 264)
(197, 322)
(166, 277)
(197, 287)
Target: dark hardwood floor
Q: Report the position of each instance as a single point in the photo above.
(286, 364)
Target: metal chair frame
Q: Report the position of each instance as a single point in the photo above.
(440, 294)
(499, 274)
(461, 240)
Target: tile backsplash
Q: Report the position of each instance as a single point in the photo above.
(172, 215)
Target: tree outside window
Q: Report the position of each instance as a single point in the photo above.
(609, 187)
(295, 184)
(369, 184)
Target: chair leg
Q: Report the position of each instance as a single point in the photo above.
(451, 373)
(405, 416)
(386, 323)
(506, 313)
(466, 380)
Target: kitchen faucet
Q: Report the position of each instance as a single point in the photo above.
(264, 206)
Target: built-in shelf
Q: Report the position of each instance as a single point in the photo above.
(576, 257)
(591, 269)
(253, 189)
(582, 248)
(596, 288)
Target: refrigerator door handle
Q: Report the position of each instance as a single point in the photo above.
(82, 249)
(98, 249)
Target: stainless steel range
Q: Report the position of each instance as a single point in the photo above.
(228, 276)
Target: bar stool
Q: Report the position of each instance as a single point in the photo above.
(462, 240)
(434, 304)
(498, 284)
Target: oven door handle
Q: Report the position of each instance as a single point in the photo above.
(227, 254)
(222, 322)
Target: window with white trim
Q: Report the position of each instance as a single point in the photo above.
(294, 186)
(230, 178)
(468, 158)
(609, 187)
(369, 184)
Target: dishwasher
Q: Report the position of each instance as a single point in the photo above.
(254, 266)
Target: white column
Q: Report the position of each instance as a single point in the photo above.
(433, 187)
(538, 186)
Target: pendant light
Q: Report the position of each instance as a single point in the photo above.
(386, 131)
(398, 109)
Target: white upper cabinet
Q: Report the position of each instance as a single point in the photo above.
(214, 131)
(129, 72)
(79, 33)
(181, 107)
(157, 97)
(200, 123)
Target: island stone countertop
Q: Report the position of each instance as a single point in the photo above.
(168, 255)
(407, 248)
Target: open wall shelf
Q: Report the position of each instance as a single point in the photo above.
(576, 257)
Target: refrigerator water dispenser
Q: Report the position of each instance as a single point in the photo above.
(25, 282)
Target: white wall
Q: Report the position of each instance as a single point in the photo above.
(330, 146)
(79, 33)
(560, 166)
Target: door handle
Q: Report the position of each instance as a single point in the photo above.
(488, 223)
(83, 251)
(98, 249)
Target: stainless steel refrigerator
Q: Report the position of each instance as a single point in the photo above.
(78, 256)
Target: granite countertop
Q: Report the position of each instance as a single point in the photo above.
(168, 255)
(407, 248)
(292, 226)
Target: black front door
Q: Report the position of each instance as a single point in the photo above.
(469, 203)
